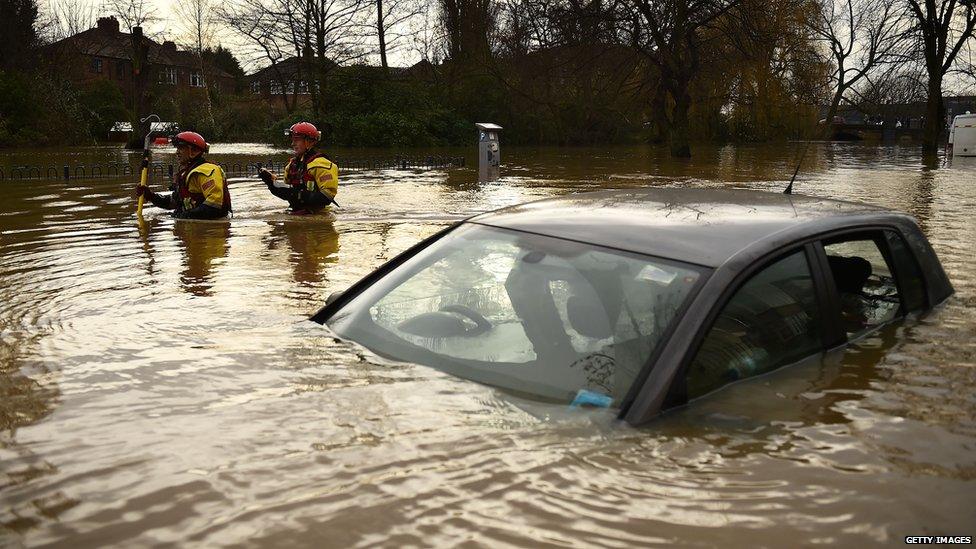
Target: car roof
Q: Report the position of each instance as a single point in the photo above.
(701, 226)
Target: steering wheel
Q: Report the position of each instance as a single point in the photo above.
(482, 323)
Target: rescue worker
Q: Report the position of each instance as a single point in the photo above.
(311, 180)
(199, 189)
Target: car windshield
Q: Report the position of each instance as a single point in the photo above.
(539, 316)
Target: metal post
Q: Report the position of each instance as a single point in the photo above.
(489, 153)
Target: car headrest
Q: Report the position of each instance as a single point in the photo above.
(850, 273)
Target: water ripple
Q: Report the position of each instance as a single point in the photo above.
(160, 386)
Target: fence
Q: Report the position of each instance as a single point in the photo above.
(158, 170)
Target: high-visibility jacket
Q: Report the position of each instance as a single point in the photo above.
(204, 183)
(313, 173)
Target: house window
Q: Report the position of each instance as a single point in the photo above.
(96, 65)
(303, 87)
(167, 75)
(120, 69)
(196, 79)
(275, 88)
(256, 87)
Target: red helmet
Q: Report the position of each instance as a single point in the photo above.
(190, 138)
(304, 129)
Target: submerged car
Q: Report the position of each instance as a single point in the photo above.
(641, 300)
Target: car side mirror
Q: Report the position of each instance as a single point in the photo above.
(332, 297)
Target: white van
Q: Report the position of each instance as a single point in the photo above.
(962, 136)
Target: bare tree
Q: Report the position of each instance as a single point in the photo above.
(863, 36)
(391, 18)
(334, 33)
(381, 34)
(197, 23)
(538, 25)
(515, 35)
(263, 36)
(467, 26)
(527, 25)
(966, 68)
(942, 28)
(426, 36)
(66, 18)
(670, 34)
(132, 13)
(900, 84)
(319, 34)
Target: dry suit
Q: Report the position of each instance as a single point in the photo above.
(199, 191)
(312, 182)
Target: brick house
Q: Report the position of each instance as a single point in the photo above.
(286, 82)
(106, 53)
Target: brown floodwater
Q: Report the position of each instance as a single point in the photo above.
(160, 384)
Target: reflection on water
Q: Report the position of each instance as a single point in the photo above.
(159, 384)
(312, 244)
(203, 244)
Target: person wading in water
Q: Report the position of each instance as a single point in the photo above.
(312, 180)
(199, 190)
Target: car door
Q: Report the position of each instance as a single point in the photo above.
(772, 319)
(873, 279)
(809, 299)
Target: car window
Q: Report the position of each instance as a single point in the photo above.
(771, 320)
(466, 286)
(539, 315)
(865, 286)
(909, 275)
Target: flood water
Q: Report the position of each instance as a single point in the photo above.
(160, 385)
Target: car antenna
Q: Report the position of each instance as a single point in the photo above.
(789, 188)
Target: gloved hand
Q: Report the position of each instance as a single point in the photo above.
(267, 177)
(144, 192)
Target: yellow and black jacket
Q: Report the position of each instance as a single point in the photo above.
(312, 182)
(199, 191)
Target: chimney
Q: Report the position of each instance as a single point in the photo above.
(139, 50)
(108, 24)
(169, 45)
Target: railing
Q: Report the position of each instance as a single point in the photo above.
(402, 163)
(158, 170)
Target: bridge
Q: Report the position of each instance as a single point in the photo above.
(887, 131)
